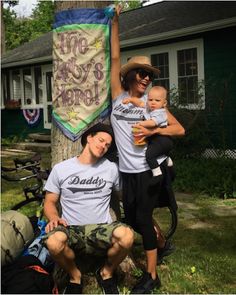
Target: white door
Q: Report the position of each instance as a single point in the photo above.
(47, 80)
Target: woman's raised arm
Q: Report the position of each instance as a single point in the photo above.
(116, 87)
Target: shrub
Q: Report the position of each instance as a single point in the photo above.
(215, 177)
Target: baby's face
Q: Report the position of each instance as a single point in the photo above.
(156, 99)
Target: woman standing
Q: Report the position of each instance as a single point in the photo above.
(138, 198)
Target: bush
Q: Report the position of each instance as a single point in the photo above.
(215, 177)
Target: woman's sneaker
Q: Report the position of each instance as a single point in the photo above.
(109, 286)
(146, 284)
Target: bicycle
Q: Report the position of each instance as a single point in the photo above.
(34, 194)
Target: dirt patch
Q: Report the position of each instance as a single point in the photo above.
(188, 206)
(201, 224)
(224, 210)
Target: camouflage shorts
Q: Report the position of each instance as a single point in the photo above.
(92, 238)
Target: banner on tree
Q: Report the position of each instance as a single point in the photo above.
(81, 69)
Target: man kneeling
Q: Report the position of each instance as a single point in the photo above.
(83, 185)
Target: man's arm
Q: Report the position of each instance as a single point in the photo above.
(51, 212)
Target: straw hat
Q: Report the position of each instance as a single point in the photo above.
(139, 62)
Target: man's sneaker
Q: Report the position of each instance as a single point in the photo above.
(73, 288)
(146, 284)
(165, 251)
(109, 286)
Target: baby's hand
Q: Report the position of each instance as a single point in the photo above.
(138, 124)
(126, 100)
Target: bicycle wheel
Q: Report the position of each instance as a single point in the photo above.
(29, 206)
(167, 219)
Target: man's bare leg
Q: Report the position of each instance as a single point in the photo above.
(122, 239)
(63, 255)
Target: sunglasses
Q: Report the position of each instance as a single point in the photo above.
(143, 74)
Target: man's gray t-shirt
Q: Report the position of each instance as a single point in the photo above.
(84, 190)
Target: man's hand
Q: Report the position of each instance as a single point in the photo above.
(54, 223)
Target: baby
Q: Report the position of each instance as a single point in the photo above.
(155, 116)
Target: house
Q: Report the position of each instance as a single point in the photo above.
(192, 43)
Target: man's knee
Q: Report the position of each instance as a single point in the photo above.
(124, 235)
(56, 242)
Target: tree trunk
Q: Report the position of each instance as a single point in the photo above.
(62, 147)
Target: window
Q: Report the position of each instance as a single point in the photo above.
(161, 61)
(16, 89)
(187, 76)
(182, 72)
(38, 85)
(27, 80)
(5, 91)
(23, 87)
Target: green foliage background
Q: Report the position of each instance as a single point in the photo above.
(21, 30)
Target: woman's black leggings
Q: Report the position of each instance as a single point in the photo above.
(139, 202)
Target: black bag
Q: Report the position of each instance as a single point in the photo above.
(26, 276)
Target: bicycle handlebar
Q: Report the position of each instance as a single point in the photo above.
(15, 169)
(40, 175)
(23, 162)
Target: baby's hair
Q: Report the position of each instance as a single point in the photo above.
(157, 88)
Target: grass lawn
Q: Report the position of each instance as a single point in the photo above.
(204, 239)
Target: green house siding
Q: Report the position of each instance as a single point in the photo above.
(220, 79)
(14, 124)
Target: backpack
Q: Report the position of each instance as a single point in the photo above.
(37, 249)
(26, 276)
(16, 233)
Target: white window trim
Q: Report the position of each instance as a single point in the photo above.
(172, 49)
(45, 69)
(2, 97)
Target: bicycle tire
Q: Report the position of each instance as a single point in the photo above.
(167, 220)
(170, 228)
(34, 205)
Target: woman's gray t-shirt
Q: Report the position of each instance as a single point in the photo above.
(131, 158)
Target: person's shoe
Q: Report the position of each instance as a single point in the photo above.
(165, 251)
(146, 284)
(155, 180)
(73, 288)
(108, 286)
